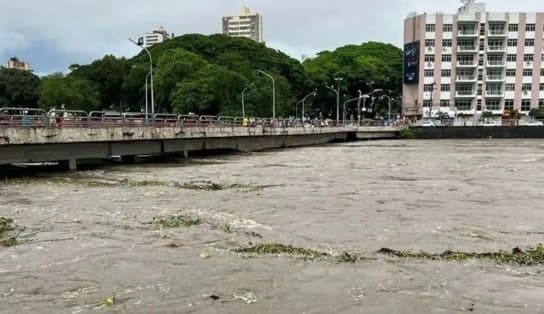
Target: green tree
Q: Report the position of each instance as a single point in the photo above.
(364, 67)
(173, 67)
(107, 75)
(18, 88)
(73, 93)
(536, 113)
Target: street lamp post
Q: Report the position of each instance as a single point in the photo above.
(146, 98)
(389, 112)
(273, 93)
(303, 101)
(338, 80)
(344, 107)
(151, 71)
(243, 99)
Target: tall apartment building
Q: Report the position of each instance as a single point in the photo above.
(473, 61)
(15, 63)
(156, 37)
(246, 24)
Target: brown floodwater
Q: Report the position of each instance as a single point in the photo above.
(84, 242)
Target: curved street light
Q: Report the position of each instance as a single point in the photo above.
(344, 108)
(151, 71)
(389, 112)
(273, 92)
(243, 101)
(303, 101)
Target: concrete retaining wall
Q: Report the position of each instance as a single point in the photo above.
(478, 132)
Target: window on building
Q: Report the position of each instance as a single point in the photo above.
(512, 42)
(445, 87)
(542, 87)
(541, 72)
(493, 104)
(526, 87)
(513, 27)
(447, 27)
(482, 29)
(428, 87)
(509, 104)
(529, 42)
(427, 103)
(447, 43)
(446, 58)
(430, 28)
(481, 62)
(541, 104)
(429, 58)
(444, 103)
(463, 105)
(511, 72)
(530, 27)
(525, 105)
(429, 73)
(528, 57)
(429, 42)
(510, 87)
(527, 72)
(446, 73)
(511, 58)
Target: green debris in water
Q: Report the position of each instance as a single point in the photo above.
(176, 221)
(280, 249)
(109, 301)
(529, 257)
(9, 232)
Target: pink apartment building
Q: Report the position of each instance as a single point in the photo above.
(473, 61)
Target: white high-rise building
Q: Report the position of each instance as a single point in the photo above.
(473, 61)
(156, 37)
(246, 24)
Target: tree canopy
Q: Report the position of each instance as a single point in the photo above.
(18, 88)
(206, 75)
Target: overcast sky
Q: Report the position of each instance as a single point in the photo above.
(52, 34)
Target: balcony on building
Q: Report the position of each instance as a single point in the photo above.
(494, 93)
(465, 93)
(468, 30)
(496, 63)
(497, 30)
(466, 63)
(466, 78)
(467, 49)
(494, 77)
(496, 46)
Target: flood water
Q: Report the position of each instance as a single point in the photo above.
(86, 242)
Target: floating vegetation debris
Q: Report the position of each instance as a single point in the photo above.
(212, 186)
(529, 257)
(109, 301)
(9, 232)
(176, 221)
(280, 249)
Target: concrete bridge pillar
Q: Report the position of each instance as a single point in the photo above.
(70, 164)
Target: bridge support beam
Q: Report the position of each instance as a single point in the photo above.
(70, 164)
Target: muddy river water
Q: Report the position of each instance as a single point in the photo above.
(91, 244)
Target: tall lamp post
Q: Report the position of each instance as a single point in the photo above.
(146, 98)
(344, 108)
(273, 93)
(150, 71)
(388, 112)
(303, 101)
(243, 99)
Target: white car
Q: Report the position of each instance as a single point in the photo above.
(534, 123)
(428, 124)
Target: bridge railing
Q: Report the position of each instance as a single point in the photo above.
(38, 118)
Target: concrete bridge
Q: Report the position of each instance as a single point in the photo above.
(68, 144)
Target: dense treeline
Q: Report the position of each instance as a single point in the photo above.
(206, 75)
